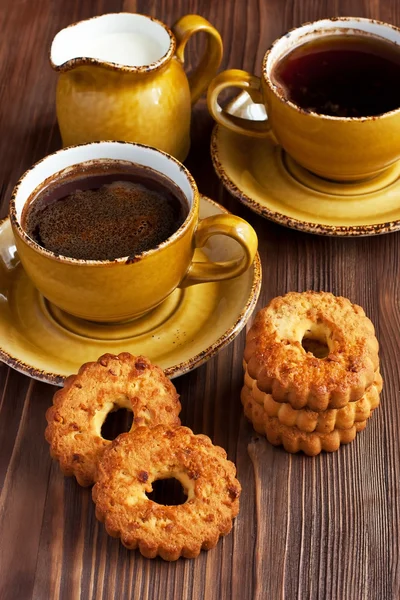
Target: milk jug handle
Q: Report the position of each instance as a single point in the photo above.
(201, 76)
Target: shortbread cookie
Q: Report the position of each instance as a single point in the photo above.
(135, 461)
(277, 360)
(323, 422)
(82, 405)
(291, 438)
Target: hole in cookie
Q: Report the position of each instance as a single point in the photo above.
(318, 346)
(168, 492)
(117, 421)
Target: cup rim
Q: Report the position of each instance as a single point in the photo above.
(85, 60)
(123, 260)
(311, 113)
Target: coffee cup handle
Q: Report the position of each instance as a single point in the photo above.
(245, 81)
(235, 228)
(199, 79)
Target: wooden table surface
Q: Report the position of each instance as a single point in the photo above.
(326, 527)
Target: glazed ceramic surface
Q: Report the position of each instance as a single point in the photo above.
(262, 176)
(44, 342)
(98, 99)
(116, 290)
(336, 148)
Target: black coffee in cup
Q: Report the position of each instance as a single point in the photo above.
(102, 210)
(342, 75)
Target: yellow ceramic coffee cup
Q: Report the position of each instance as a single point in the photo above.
(121, 77)
(337, 148)
(120, 289)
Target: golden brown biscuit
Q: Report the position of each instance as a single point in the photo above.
(281, 366)
(291, 438)
(323, 422)
(137, 459)
(82, 405)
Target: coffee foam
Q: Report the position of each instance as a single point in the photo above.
(117, 219)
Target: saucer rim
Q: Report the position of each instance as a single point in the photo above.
(279, 217)
(176, 370)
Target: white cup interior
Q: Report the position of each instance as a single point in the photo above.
(142, 155)
(336, 26)
(123, 38)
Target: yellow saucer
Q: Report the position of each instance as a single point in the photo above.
(261, 175)
(40, 340)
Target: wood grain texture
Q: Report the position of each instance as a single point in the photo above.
(321, 528)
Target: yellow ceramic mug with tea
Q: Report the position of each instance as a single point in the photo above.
(337, 147)
(122, 78)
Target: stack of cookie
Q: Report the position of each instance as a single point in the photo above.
(312, 375)
(156, 447)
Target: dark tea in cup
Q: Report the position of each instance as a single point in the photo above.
(331, 91)
(341, 75)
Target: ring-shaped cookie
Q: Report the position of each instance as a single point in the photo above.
(308, 420)
(82, 405)
(291, 438)
(126, 473)
(277, 360)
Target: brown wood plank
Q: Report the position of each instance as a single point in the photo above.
(323, 528)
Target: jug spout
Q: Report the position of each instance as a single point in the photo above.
(123, 41)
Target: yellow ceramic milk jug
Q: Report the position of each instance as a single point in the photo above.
(121, 77)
